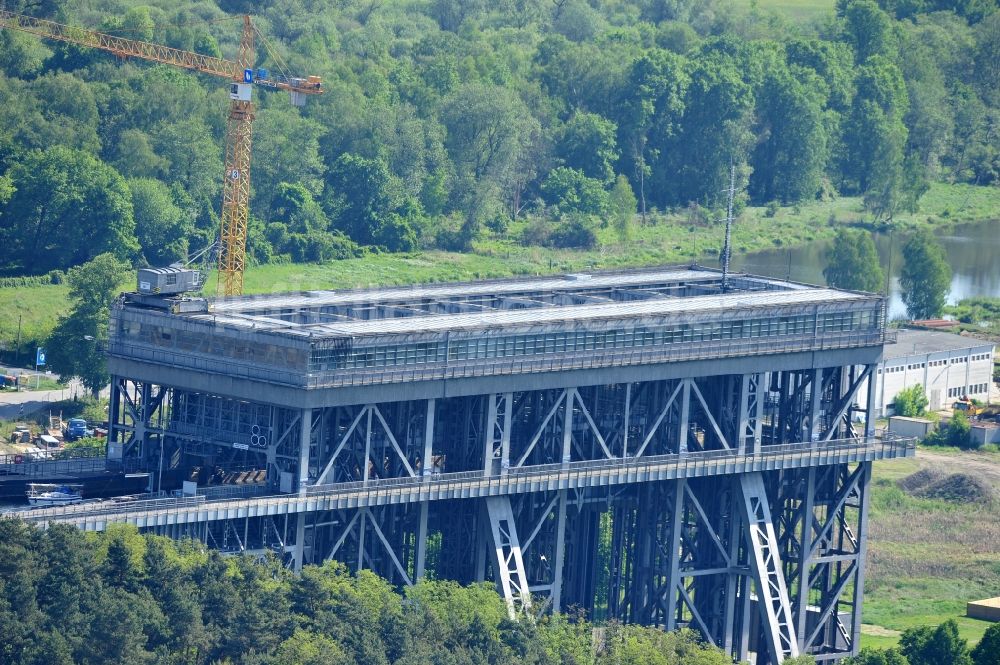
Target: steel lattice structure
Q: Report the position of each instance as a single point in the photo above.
(640, 446)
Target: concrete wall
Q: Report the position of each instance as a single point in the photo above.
(988, 610)
(985, 433)
(916, 427)
(945, 376)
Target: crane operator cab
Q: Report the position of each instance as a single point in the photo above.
(240, 91)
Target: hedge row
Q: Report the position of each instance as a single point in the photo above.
(53, 277)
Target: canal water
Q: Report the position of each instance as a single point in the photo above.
(973, 251)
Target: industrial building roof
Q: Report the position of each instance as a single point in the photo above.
(925, 342)
(513, 303)
(555, 283)
(539, 316)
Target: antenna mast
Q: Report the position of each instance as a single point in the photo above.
(726, 248)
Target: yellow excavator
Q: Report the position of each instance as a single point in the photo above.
(967, 406)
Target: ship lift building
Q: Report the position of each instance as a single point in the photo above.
(659, 446)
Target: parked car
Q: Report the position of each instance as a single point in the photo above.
(76, 428)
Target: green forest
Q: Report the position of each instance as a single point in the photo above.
(69, 598)
(448, 122)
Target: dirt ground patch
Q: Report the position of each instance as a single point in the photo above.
(955, 487)
(879, 631)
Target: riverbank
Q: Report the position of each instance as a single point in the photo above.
(678, 238)
(666, 239)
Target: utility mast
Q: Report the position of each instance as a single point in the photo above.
(727, 249)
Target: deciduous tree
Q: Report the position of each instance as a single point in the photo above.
(67, 208)
(488, 129)
(588, 144)
(76, 346)
(869, 656)
(910, 402)
(935, 646)
(987, 651)
(573, 191)
(852, 262)
(925, 279)
(622, 203)
(793, 149)
(161, 226)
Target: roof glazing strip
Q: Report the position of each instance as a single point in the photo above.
(572, 313)
(488, 288)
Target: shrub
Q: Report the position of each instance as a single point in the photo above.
(911, 402)
(955, 433)
(537, 232)
(577, 231)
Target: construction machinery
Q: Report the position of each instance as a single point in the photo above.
(967, 406)
(241, 76)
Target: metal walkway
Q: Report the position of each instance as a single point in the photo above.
(46, 464)
(472, 484)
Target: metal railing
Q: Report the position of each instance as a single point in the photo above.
(269, 373)
(43, 464)
(467, 484)
(706, 350)
(50, 455)
(223, 492)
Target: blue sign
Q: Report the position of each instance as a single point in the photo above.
(248, 76)
(40, 357)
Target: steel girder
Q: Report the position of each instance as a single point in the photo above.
(768, 563)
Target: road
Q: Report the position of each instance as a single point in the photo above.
(26, 401)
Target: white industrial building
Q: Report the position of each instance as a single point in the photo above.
(948, 366)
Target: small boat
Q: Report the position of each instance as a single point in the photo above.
(54, 495)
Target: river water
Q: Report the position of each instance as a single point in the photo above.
(973, 251)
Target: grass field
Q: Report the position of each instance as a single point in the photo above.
(927, 558)
(665, 239)
(795, 10)
(37, 307)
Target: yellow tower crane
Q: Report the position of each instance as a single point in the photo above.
(240, 73)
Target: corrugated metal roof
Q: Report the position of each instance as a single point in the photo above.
(924, 342)
(172, 270)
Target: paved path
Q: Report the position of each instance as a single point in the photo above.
(14, 403)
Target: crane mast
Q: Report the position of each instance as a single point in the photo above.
(239, 128)
(236, 182)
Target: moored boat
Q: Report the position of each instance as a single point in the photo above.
(40, 494)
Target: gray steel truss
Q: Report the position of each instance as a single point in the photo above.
(727, 493)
